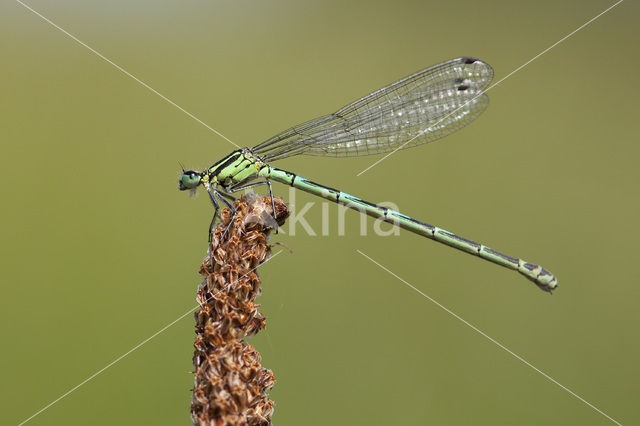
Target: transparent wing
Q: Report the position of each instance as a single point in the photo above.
(418, 109)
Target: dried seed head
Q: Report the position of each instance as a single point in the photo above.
(230, 383)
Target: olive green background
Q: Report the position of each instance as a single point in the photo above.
(100, 250)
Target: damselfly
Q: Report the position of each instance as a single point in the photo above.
(418, 109)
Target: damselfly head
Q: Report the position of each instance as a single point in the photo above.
(189, 180)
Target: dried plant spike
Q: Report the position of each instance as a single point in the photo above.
(230, 383)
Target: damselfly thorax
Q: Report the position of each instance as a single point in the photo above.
(238, 168)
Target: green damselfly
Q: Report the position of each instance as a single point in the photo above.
(418, 109)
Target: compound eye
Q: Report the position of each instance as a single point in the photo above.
(189, 180)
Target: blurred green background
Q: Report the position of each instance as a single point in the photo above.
(100, 251)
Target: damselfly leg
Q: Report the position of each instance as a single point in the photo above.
(213, 194)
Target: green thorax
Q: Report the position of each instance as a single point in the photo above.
(238, 167)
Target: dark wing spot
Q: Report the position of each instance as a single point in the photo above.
(462, 88)
(468, 60)
(458, 80)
